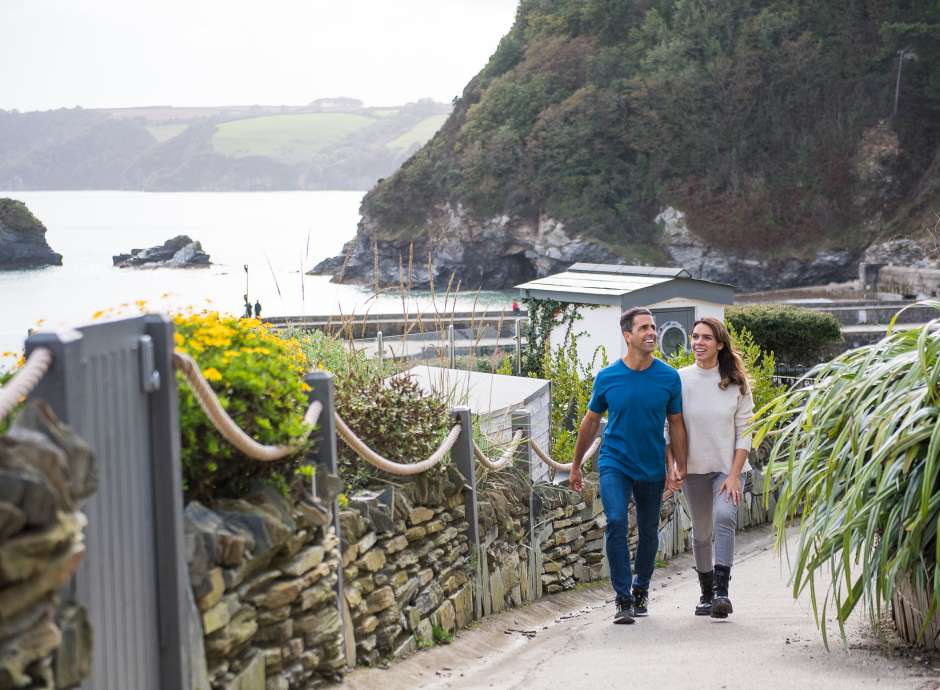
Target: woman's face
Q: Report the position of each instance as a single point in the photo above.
(705, 346)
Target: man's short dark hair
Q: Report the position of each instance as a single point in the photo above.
(626, 319)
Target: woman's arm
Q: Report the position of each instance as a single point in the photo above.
(742, 446)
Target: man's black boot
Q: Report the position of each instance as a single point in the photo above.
(624, 613)
(641, 600)
(721, 604)
(707, 582)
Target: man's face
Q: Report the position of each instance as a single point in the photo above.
(643, 336)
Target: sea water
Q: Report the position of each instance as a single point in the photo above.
(277, 235)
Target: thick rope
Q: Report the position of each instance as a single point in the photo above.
(401, 469)
(25, 380)
(504, 459)
(564, 467)
(226, 426)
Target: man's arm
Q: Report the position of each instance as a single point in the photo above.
(586, 433)
(678, 440)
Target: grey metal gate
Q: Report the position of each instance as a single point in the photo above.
(114, 384)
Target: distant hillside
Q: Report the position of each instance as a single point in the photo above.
(330, 144)
(754, 141)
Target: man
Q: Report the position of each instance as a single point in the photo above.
(258, 309)
(638, 393)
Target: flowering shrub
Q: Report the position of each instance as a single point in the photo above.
(258, 378)
(9, 363)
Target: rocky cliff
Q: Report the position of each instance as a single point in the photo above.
(756, 143)
(23, 239)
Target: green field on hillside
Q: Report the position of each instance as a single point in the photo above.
(418, 134)
(166, 132)
(287, 138)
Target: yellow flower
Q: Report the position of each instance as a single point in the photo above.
(212, 374)
(141, 304)
(97, 315)
(179, 339)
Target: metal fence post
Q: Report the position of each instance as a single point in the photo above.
(380, 345)
(451, 347)
(517, 336)
(462, 455)
(522, 421)
(172, 571)
(324, 457)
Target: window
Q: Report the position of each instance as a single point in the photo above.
(672, 337)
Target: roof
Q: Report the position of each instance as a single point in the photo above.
(659, 271)
(481, 392)
(612, 284)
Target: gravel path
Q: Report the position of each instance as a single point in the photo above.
(568, 641)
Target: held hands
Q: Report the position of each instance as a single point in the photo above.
(732, 486)
(674, 478)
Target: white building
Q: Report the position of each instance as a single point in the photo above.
(606, 291)
(492, 399)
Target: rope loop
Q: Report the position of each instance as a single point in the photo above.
(227, 427)
(564, 467)
(391, 466)
(506, 456)
(24, 381)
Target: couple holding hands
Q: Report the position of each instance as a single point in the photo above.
(703, 452)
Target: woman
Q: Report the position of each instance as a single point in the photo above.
(717, 405)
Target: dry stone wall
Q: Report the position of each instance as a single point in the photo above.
(46, 471)
(406, 565)
(264, 574)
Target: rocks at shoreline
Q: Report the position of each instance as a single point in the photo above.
(179, 252)
(23, 242)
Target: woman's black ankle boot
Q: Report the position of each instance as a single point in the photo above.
(707, 582)
(721, 604)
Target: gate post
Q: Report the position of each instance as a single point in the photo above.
(522, 421)
(323, 455)
(462, 454)
(172, 572)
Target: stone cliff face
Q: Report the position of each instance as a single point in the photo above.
(500, 253)
(23, 239)
(497, 253)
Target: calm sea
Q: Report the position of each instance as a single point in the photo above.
(279, 235)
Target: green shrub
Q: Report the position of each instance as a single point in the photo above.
(572, 382)
(854, 459)
(392, 415)
(258, 378)
(795, 336)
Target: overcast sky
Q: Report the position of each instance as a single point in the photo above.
(109, 53)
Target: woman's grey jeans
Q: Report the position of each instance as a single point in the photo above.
(714, 518)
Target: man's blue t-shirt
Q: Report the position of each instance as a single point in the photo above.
(636, 403)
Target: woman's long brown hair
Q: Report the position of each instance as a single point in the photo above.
(730, 365)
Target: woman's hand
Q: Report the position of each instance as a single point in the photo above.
(574, 479)
(732, 485)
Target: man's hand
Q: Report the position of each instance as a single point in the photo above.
(575, 480)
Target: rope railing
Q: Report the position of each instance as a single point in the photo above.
(227, 427)
(391, 466)
(506, 456)
(564, 467)
(25, 380)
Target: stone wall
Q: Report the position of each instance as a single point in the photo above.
(909, 281)
(264, 576)
(507, 562)
(46, 471)
(407, 565)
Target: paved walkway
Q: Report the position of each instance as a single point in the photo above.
(567, 641)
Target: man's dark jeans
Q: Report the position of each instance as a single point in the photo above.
(616, 489)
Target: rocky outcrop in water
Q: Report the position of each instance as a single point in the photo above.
(179, 252)
(23, 239)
